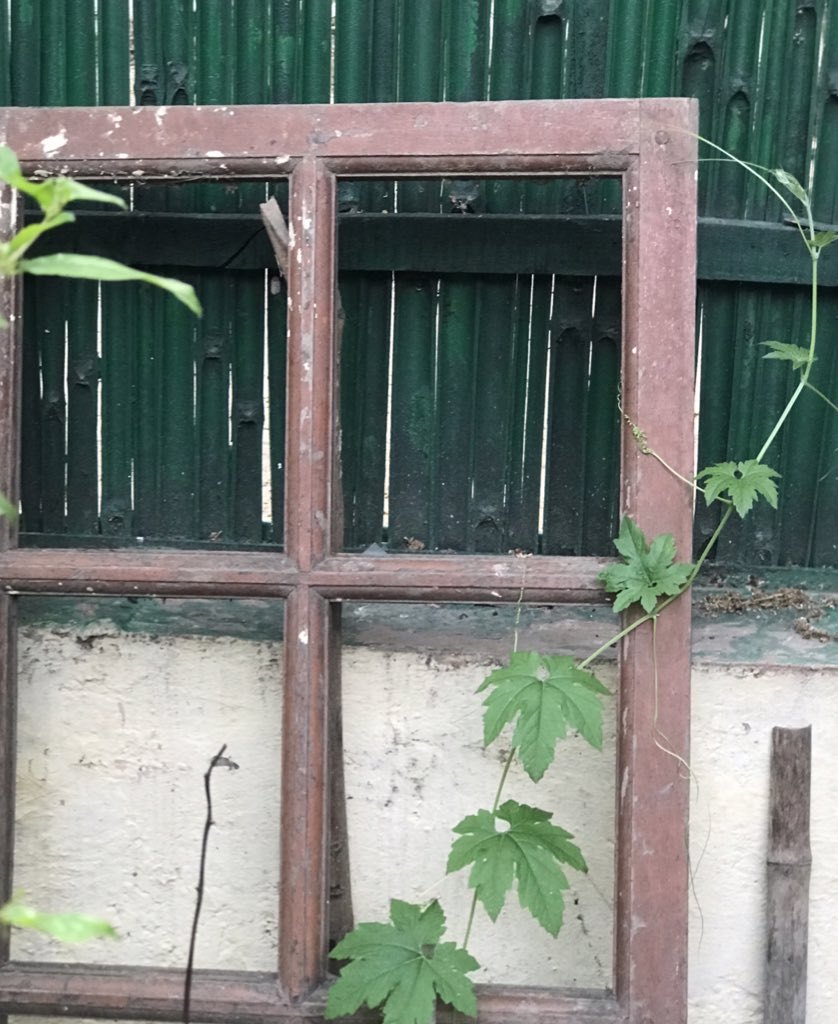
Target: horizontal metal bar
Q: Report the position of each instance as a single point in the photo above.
(479, 578)
(584, 246)
(140, 993)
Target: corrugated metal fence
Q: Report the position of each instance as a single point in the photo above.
(478, 399)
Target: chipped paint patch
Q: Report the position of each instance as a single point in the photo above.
(53, 143)
(303, 636)
(213, 152)
(159, 115)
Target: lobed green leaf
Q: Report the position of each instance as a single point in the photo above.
(543, 696)
(530, 852)
(647, 572)
(742, 482)
(794, 354)
(402, 966)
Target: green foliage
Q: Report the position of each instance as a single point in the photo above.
(791, 183)
(52, 196)
(647, 572)
(530, 851)
(404, 967)
(794, 354)
(546, 695)
(741, 482)
(98, 268)
(64, 927)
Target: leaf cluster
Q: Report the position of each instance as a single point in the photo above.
(648, 572)
(529, 851)
(403, 967)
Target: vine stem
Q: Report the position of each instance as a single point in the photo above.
(804, 378)
(511, 756)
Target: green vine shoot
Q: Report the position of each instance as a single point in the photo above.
(402, 966)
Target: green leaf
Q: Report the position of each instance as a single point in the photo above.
(403, 966)
(529, 852)
(824, 238)
(546, 696)
(65, 927)
(647, 572)
(742, 482)
(797, 356)
(10, 170)
(792, 184)
(54, 194)
(98, 268)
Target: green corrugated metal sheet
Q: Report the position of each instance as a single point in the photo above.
(501, 386)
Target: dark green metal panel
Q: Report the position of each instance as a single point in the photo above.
(764, 96)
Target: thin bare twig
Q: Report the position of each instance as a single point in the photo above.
(208, 823)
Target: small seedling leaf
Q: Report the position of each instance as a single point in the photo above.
(98, 268)
(742, 482)
(404, 967)
(797, 356)
(647, 572)
(64, 927)
(824, 238)
(529, 852)
(544, 697)
(789, 181)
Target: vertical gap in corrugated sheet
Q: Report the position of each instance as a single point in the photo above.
(413, 409)
(524, 454)
(82, 311)
(31, 474)
(567, 416)
(49, 325)
(277, 333)
(118, 304)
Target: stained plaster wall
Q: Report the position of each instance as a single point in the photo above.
(116, 730)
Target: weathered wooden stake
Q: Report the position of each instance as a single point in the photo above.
(789, 868)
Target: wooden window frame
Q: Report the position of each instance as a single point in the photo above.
(648, 144)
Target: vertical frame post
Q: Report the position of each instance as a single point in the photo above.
(653, 782)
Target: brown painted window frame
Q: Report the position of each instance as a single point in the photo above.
(649, 145)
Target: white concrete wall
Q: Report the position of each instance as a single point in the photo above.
(115, 738)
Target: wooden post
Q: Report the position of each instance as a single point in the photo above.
(789, 868)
